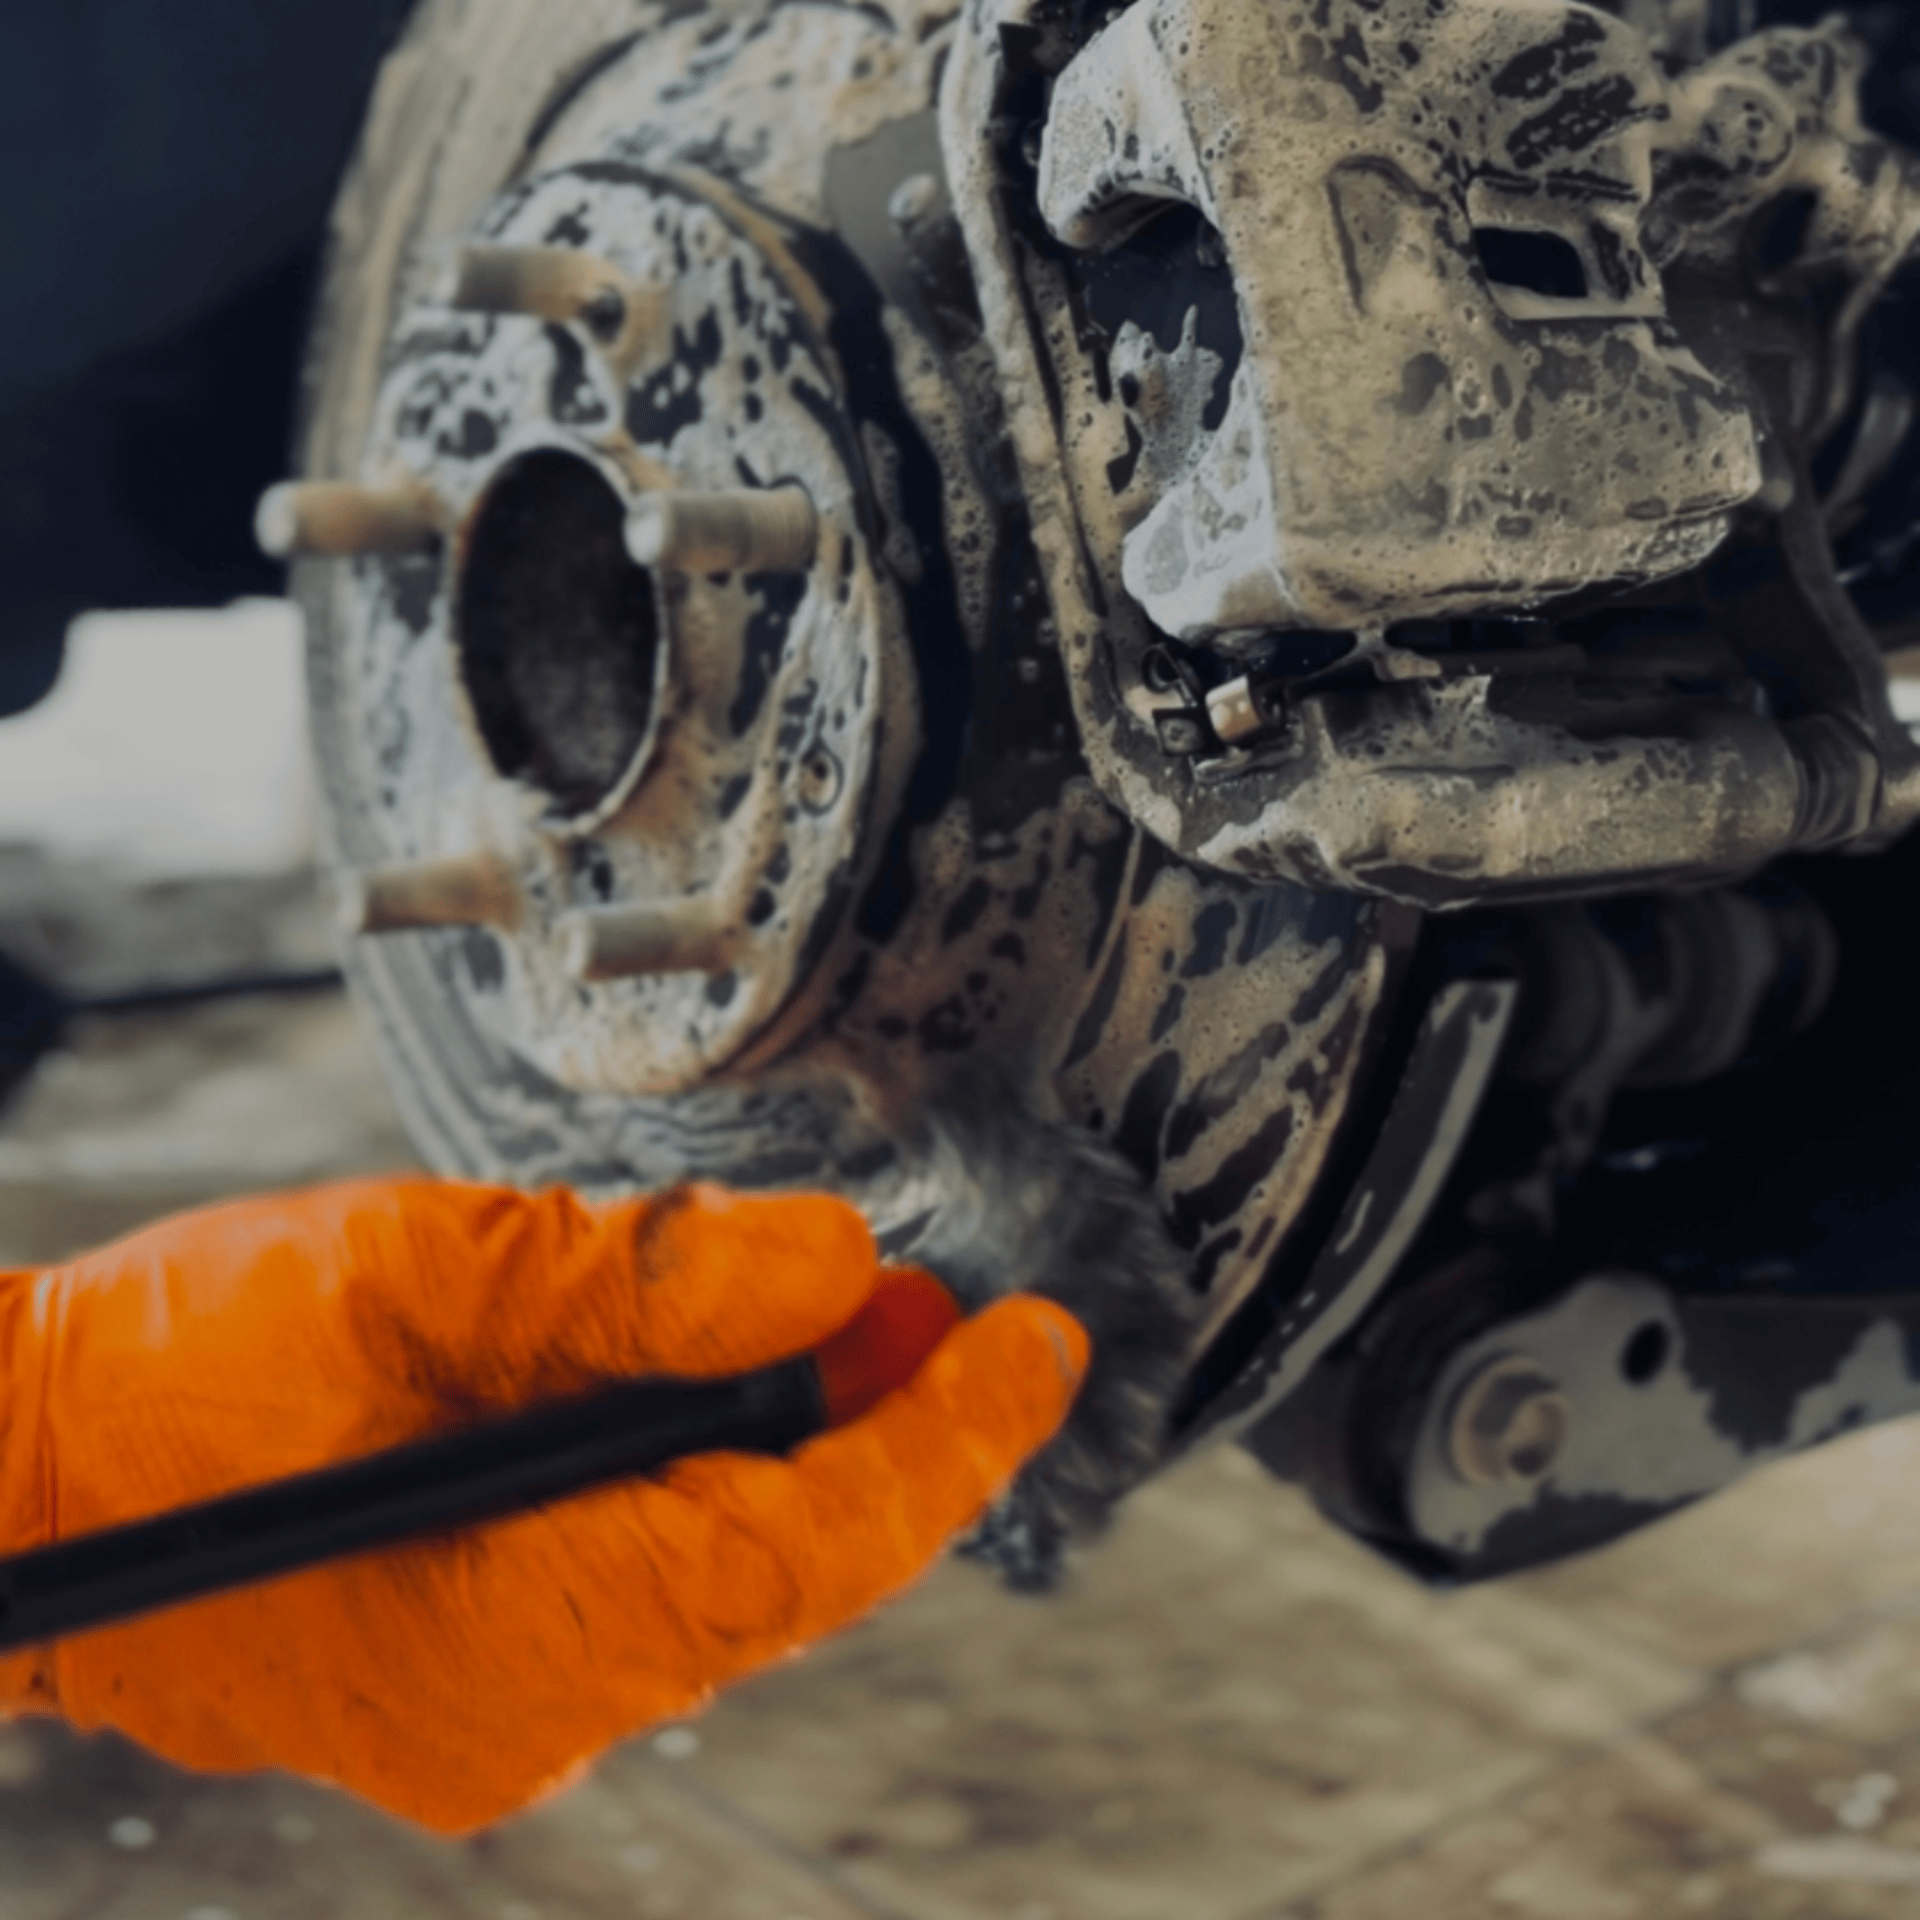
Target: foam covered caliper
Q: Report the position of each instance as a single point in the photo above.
(1492, 338)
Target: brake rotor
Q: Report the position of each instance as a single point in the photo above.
(698, 747)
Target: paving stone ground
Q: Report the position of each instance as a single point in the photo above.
(1232, 1714)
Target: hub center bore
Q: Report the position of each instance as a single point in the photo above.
(557, 631)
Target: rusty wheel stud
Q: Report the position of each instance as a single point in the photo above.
(550, 283)
(301, 517)
(615, 943)
(472, 890)
(744, 530)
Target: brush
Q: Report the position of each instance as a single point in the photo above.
(1005, 1200)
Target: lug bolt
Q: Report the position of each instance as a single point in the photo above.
(1509, 1425)
(549, 283)
(746, 530)
(615, 943)
(474, 890)
(336, 517)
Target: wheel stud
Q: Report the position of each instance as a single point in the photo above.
(549, 283)
(473, 890)
(614, 943)
(301, 517)
(745, 530)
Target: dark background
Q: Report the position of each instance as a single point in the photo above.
(165, 172)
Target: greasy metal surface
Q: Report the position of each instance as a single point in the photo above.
(733, 751)
(1430, 794)
(1636, 993)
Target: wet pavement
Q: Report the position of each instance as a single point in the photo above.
(1232, 1712)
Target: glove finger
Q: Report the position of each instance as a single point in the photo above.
(883, 1346)
(635, 1604)
(279, 1333)
(733, 1281)
(760, 1557)
(480, 1298)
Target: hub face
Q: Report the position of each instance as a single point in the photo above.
(705, 744)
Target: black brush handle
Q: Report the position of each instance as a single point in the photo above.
(482, 1472)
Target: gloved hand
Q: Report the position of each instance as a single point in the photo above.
(453, 1680)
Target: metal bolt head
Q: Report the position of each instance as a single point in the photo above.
(1182, 730)
(917, 196)
(1509, 1424)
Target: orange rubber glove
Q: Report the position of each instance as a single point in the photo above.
(456, 1679)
